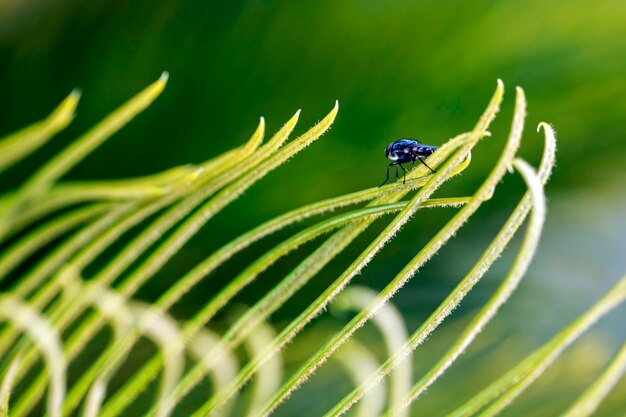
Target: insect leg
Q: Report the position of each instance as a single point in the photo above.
(403, 169)
(426, 165)
(387, 178)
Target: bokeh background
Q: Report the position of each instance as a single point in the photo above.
(422, 69)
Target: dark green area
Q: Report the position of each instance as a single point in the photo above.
(417, 69)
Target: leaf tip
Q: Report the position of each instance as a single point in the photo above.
(193, 175)
(294, 119)
(76, 94)
(545, 126)
(333, 113)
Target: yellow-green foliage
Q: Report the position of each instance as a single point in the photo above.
(53, 310)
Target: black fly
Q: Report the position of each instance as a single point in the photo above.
(403, 151)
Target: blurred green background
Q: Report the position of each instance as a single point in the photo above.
(422, 69)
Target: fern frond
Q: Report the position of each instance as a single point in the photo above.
(48, 342)
(390, 324)
(88, 247)
(270, 375)
(220, 371)
(46, 233)
(359, 363)
(7, 385)
(494, 250)
(514, 382)
(43, 178)
(20, 144)
(425, 253)
(589, 401)
(464, 143)
(90, 327)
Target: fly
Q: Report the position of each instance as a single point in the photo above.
(403, 151)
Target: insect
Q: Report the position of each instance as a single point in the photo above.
(403, 151)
